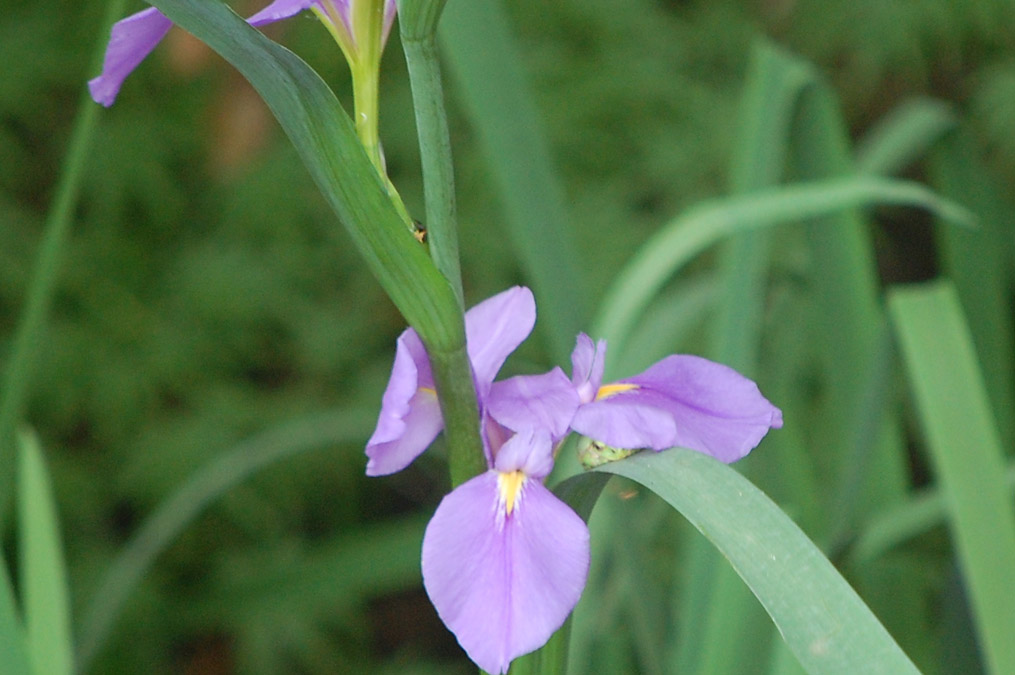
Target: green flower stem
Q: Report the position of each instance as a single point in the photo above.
(435, 154)
(365, 92)
(366, 114)
(451, 369)
(457, 395)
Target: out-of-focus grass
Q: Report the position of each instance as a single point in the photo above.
(203, 299)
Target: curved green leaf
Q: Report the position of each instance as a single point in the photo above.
(824, 622)
(326, 140)
(704, 225)
(178, 510)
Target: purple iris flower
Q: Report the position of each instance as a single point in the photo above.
(504, 561)
(682, 400)
(134, 37)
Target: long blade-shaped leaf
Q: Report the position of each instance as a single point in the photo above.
(43, 574)
(703, 226)
(180, 509)
(966, 452)
(824, 622)
(325, 138)
(13, 657)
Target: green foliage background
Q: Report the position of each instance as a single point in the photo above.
(203, 300)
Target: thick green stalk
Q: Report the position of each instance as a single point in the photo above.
(457, 395)
(435, 155)
(450, 368)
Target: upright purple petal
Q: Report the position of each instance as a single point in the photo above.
(587, 363)
(131, 40)
(548, 401)
(494, 328)
(280, 9)
(410, 417)
(503, 583)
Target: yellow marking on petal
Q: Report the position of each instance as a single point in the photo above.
(510, 485)
(608, 390)
(429, 390)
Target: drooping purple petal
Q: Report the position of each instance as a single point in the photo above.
(715, 409)
(494, 328)
(615, 422)
(280, 9)
(587, 362)
(547, 401)
(503, 583)
(131, 40)
(410, 416)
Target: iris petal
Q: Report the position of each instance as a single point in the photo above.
(494, 328)
(587, 362)
(504, 584)
(715, 409)
(547, 401)
(615, 422)
(131, 40)
(410, 416)
(278, 10)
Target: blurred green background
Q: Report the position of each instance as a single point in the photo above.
(204, 298)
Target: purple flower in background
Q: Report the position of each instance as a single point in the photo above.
(505, 561)
(133, 38)
(410, 417)
(684, 401)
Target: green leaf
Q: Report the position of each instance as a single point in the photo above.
(979, 264)
(965, 449)
(486, 65)
(822, 619)
(13, 657)
(188, 501)
(704, 225)
(326, 140)
(43, 574)
(903, 136)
